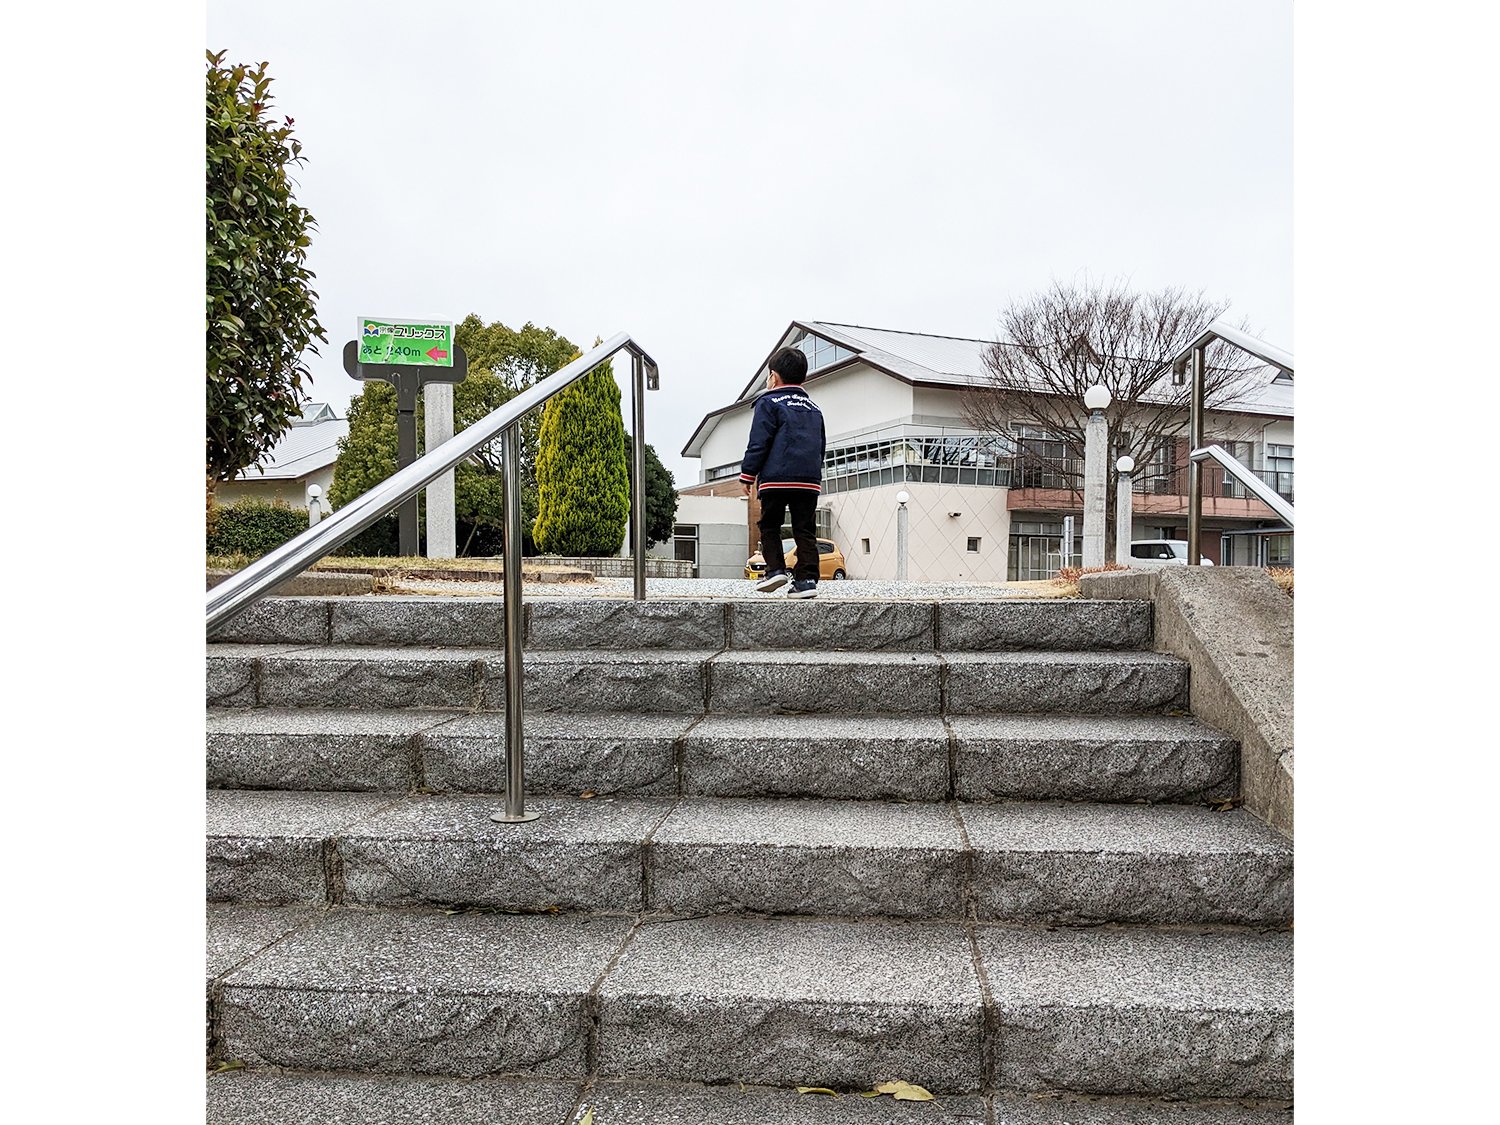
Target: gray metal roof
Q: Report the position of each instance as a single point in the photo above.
(957, 361)
(307, 447)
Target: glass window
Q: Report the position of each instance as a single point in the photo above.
(973, 545)
(866, 544)
(1158, 550)
(685, 531)
(1279, 469)
(825, 548)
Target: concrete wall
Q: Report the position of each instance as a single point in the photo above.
(723, 534)
(1234, 627)
(293, 492)
(937, 542)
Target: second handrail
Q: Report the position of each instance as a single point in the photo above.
(296, 555)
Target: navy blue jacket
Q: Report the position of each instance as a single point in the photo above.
(786, 441)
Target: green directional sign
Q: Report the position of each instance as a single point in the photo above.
(418, 343)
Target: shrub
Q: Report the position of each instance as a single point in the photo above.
(583, 480)
(253, 527)
(1074, 573)
(1282, 576)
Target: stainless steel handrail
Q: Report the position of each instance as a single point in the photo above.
(265, 574)
(1246, 476)
(1195, 355)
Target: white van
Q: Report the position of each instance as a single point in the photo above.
(1160, 552)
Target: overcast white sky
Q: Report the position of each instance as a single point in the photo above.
(699, 176)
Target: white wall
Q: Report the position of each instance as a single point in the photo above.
(859, 398)
(723, 534)
(1278, 433)
(294, 492)
(856, 399)
(938, 402)
(937, 543)
(725, 443)
(713, 509)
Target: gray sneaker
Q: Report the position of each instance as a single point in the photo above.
(773, 581)
(807, 588)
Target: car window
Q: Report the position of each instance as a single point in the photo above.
(788, 545)
(825, 548)
(1179, 551)
(1150, 551)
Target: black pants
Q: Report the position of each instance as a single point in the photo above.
(774, 503)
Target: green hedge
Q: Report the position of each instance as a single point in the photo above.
(253, 527)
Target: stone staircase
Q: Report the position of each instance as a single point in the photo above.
(973, 845)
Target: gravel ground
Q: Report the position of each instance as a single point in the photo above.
(734, 588)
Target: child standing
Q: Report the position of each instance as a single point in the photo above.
(785, 459)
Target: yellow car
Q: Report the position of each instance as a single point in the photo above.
(830, 560)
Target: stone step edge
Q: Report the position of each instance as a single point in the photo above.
(993, 1023)
(736, 675)
(426, 726)
(312, 620)
(325, 859)
(595, 1090)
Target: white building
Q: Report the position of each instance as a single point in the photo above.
(304, 455)
(892, 408)
(712, 533)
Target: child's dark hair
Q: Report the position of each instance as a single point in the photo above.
(790, 364)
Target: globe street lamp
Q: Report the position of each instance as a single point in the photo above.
(902, 498)
(1125, 466)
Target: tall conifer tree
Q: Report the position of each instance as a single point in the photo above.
(582, 475)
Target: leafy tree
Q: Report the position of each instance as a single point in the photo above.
(502, 363)
(661, 495)
(260, 315)
(582, 470)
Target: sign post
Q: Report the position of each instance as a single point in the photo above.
(407, 354)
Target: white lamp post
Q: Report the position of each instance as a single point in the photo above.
(314, 504)
(902, 498)
(1125, 466)
(1095, 474)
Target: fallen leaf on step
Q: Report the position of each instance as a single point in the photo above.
(231, 1064)
(587, 1118)
(904, 1091)
(587, 793)
(1180, 714)
(816, 1090)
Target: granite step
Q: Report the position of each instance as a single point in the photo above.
(767, 1001)
(685, 681)
(370, 677)
(249, 1097)
(1084, 683)
(573, 623)
(1056, 863)
(860, 757)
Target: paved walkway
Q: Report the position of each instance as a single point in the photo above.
(742, 588)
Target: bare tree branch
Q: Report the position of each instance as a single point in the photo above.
(1054, 345)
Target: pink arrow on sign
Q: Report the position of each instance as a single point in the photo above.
(435, 353)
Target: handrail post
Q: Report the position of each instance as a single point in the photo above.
(515, 696)
(638, 471)
(1195, 468)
